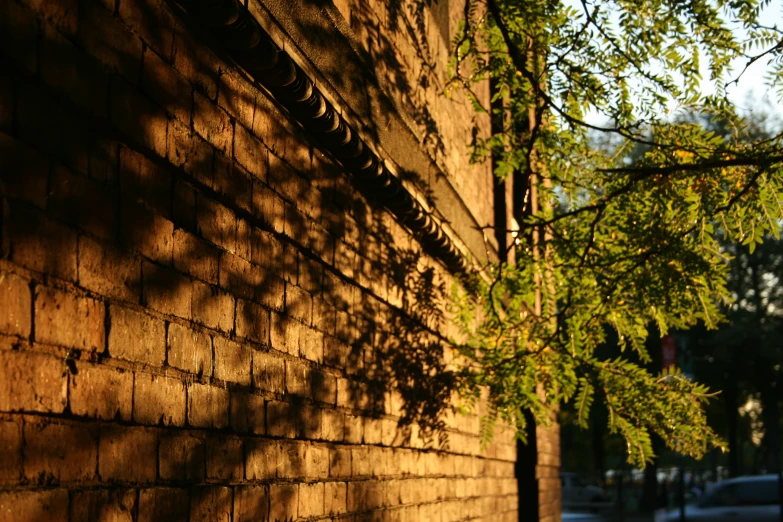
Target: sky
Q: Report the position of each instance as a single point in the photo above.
(750, 93)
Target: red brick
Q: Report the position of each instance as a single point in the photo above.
(72, 72)
(296, 225)
(283, 499)
(250, 152)
(152, 21)
(232, 361)
(167, 86)
(324, 387)
(183, 205)
(137, 117)
(298, 379)
(335, 497)
(210, 504)
(69, 320)
(181, 457)
(195, 256)
(354, 429)
(82, 202)
(127, 454)
(267, 250)
(59, 452)
(10, 452)
(166, 291)
(101, 392)
(232, 181)
(136, 336)
(244, 242)
(196, 62)
(104, 162)
(110, 41)
(24, 172)
(211, 123)
(149, 233)
(32, 382)
(268, 206)
(325, 320)
(40, 120)
(41, 244)
(363, 496)
(19, 31)
(268, 372)
(262, 459)
(169, 504)
(311, 499)
(317, 462)
(236, 97)
(252, 321)
(285, 334)
(298, 304)
(339, 462)
(333, 428)
(238, 276)
(225, 459)
(99, 505)
(190, 350)
(270, 290)
(15, 305)
(207, 406)
(158, 399)
(308, 421)
(312, 345)
(109, 271)
(373, 431)
(247, 413)
(213, 307)
(310, 275)
(251, 503)
(280, 419)
(190, 152)
(41, 506)
(143, 181)
(216, 223)
(336, 352)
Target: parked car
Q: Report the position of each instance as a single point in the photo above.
(577, 493)
(745, 499)
(581, 517)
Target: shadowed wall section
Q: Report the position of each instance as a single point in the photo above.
(203, 316)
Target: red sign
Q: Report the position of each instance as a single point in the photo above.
(669, 351)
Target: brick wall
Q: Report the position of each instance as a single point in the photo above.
(409, 43)
(201, 318)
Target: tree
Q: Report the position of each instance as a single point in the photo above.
(607, 243)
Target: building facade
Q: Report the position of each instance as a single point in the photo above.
(228, 230)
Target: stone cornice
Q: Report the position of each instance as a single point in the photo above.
(243, 39)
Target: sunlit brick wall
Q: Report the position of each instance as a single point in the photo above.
(201, 319)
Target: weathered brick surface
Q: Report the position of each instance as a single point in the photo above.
(182, 457)
(136, 336)
(59, 453)
(32, 382)
(189, 350)
(158, 399)
(101, 392)
(15, 305)
(44, 506)
(127, 454)
(197, 305)
(69, 320)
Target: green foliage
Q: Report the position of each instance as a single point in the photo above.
(625, 232)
